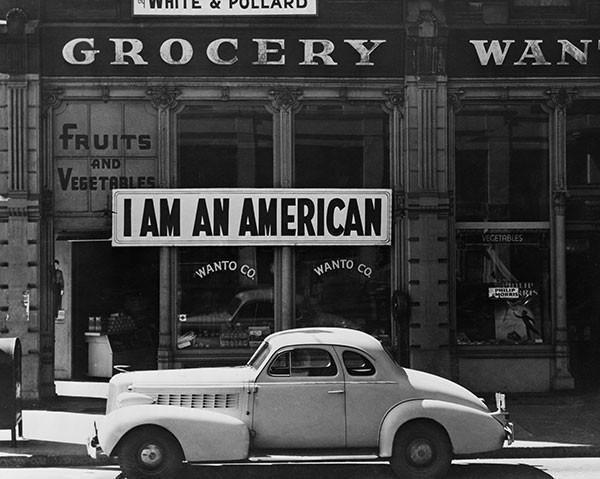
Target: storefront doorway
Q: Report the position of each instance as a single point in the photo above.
(583, 307)
(114, 308)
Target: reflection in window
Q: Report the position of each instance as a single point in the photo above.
(225, 297)
(502, 163)
(343, 146)
(502, 287)
(344, 287)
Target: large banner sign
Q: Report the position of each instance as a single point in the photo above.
(215, 217)
(204, 8)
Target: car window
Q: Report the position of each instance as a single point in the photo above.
(357, 365)
(260, 355)
(303, 362)
(280, 366)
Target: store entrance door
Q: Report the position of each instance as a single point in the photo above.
(583, 307)
(115, 308)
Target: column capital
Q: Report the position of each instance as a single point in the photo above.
(559, 98)
(394, 99)
(455, 99)
(285, 99)
(52, 98)
(163, 97)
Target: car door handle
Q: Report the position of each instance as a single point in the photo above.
(336, 391)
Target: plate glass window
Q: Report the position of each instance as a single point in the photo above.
(225, 294)
(501, 160)
(343, 146)
(502, 213)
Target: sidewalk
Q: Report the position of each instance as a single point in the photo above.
(561, 424)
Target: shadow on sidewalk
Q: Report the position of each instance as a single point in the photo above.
(357, 471)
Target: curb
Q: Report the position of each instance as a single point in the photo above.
(45, 460)
(539, 452)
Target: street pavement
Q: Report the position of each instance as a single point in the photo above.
(555, 468)
(557, 424)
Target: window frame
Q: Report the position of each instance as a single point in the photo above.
(372, 371)
(289, 352)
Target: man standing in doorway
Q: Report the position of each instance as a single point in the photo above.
(59, 288)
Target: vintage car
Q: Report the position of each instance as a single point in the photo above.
(304, 391)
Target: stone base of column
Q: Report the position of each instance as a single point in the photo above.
(164, 359)
(562, 377)
(562, 382)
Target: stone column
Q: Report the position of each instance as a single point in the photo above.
(164, 99)
(394, 106)
(51, 100)
(556, 106)
(20, 267)
(427, 207)
(285, 103)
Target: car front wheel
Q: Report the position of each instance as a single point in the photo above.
(421, 450)
(150, 453)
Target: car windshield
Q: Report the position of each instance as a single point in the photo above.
(259, 355)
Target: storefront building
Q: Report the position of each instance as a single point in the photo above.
(422, 172)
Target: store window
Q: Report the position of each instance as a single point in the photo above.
(502, 286)
(502, 163)
(502, 212)
(225, 294)
(583, 144)
(225, 146)
(343, 146)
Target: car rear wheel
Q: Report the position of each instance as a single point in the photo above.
(150, 453)
(421, 450)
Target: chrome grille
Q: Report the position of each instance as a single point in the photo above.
(208, 401)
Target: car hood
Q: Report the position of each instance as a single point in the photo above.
(192, 377)
(178, 380)
(430, 386)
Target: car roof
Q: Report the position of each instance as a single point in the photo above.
(254, 294)
(331, 336)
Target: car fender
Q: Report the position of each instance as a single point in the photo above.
(470, 430)
(204, 435)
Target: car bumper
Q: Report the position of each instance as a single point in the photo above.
(503, 418)
(93, 445)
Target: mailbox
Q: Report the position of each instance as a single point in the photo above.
(10, 387)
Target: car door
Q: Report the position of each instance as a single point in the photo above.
(369, 395)
(299, 401)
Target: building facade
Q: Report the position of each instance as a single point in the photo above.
(456, 139)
